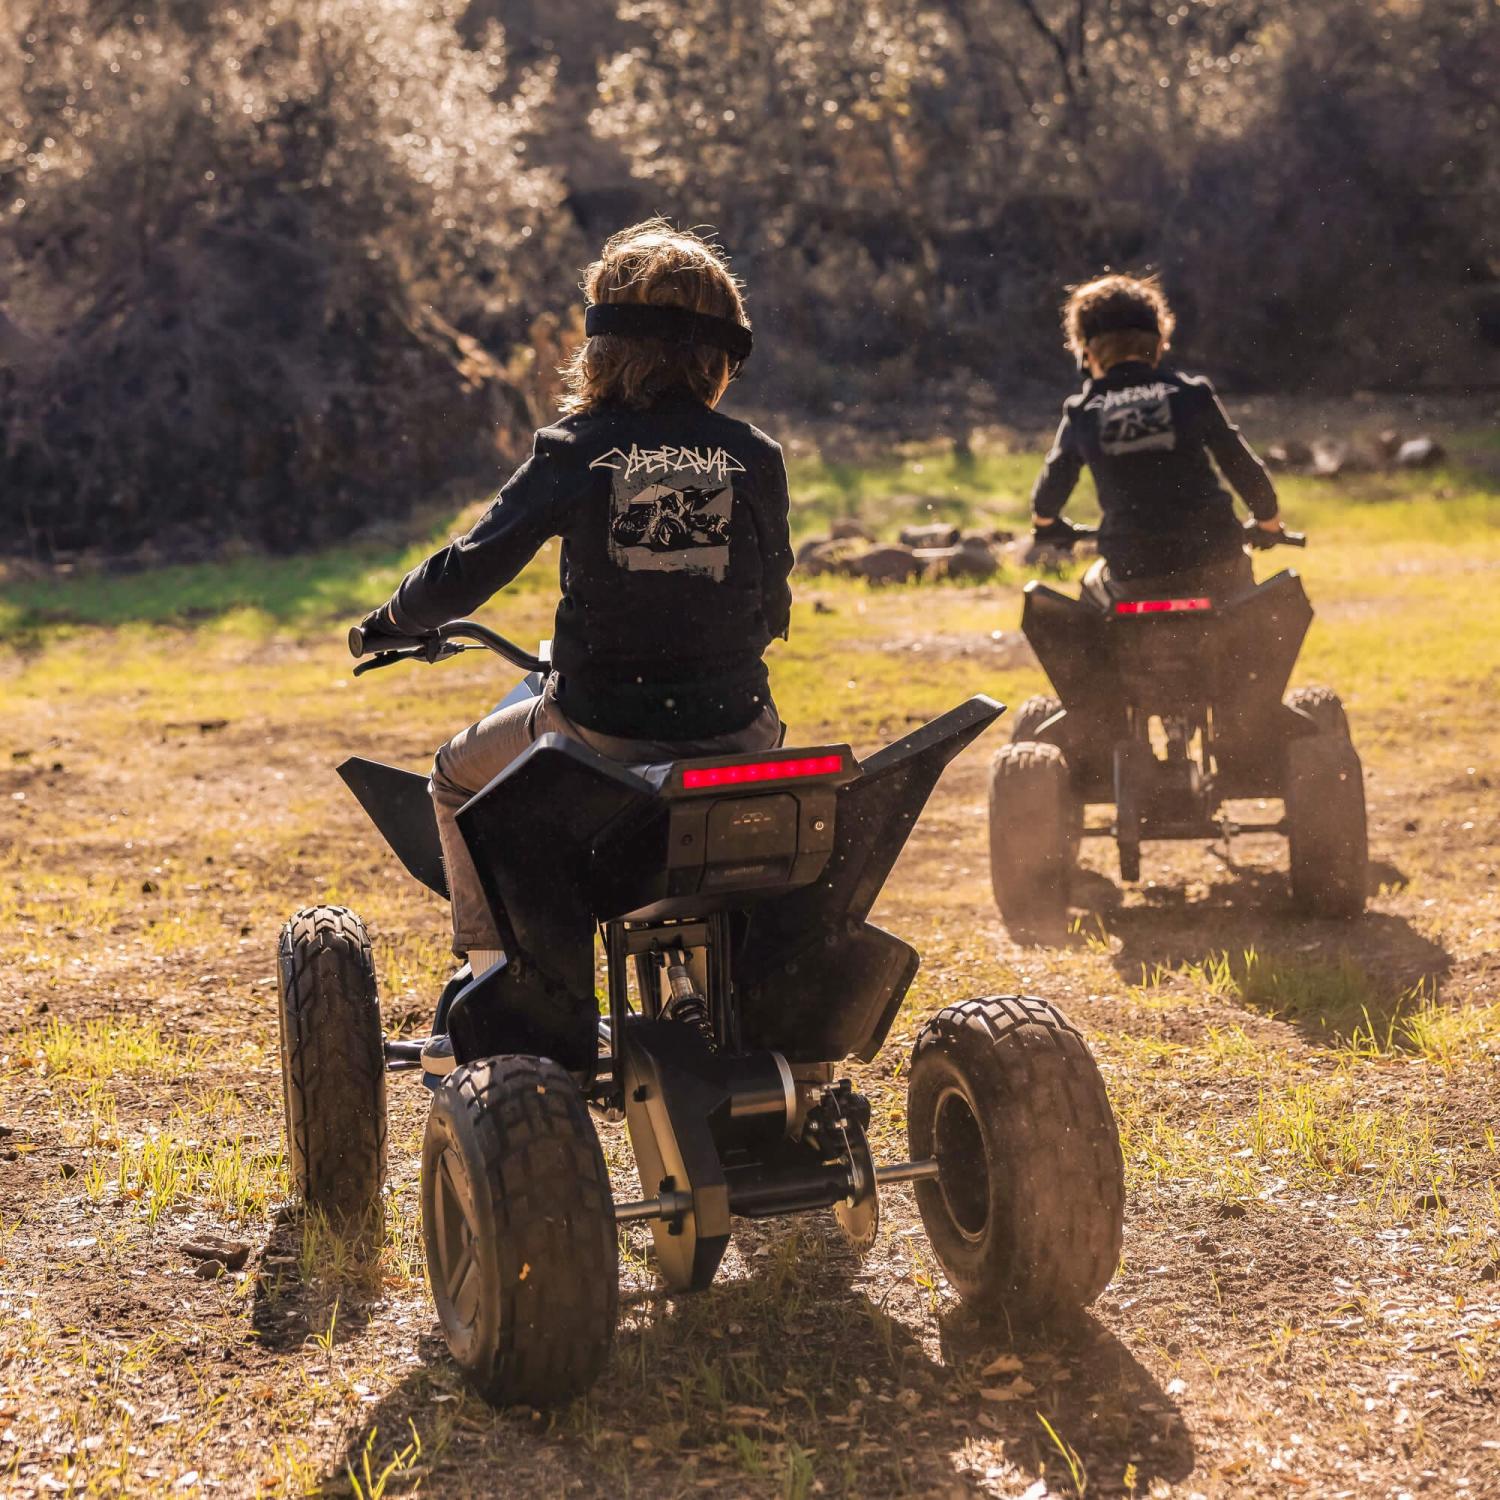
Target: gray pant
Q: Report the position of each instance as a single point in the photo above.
(476, 755)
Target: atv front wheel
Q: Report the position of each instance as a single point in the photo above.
(1323, 706)
(1325, 814)
(1027, 1212)
(1033, 831)
(333, 1065)
(1031, 715)
(519, 1226)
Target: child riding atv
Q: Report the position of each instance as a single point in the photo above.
(1167, 671)
(1151, 437)
(635, 805)
(675, 550)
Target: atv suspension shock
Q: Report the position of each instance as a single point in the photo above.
(684, 1003)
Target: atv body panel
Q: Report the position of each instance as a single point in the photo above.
(566, 841)
(1227, 663)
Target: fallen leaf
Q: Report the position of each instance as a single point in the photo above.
(1013, 1392)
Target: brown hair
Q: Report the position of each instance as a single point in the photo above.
(653, 262)
(1115, 299)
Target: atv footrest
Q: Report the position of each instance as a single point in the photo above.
(403, 1056)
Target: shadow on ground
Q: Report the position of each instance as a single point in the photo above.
(1328, 978)
(286, 1310)
(810, 1369)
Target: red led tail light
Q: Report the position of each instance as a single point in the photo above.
(761, 770)
(1160, 606)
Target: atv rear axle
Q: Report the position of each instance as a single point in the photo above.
(1207, 829)
(759, 1202)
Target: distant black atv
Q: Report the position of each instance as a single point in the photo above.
(729, 896)
(1168, 705)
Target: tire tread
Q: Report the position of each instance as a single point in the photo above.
(1031, 715)
(333, 1062)
(1066, 1145)
(554, 1226)
(1033, 815)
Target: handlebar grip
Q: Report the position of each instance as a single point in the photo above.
(1293, 538)
(361, 644)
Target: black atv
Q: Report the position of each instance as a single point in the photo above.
(728, 896)
(1168, 705)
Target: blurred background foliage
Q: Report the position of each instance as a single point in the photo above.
(273, 270)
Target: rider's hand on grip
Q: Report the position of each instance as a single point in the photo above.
(1264, 537)
(1055, 533)
(375, 633)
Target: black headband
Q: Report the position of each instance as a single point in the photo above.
(1107, 319)
(678, 325)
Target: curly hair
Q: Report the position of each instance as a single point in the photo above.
(1116, 318)
(655, 263)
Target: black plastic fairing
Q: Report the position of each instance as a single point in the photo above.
(1243, 649)
(1233, 661)
(815, 981)
(400, 806)
(1259, 636)
(532, 833)
(1068, 637)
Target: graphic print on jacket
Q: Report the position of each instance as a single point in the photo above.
(1136, 419)
(671, 508)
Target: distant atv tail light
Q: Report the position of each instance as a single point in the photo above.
(1161, 606)
(762, 770)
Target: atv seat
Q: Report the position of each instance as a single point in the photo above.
(1222, 583)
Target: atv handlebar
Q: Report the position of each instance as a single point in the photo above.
(1260, 539)
(1254, 537)
(438, 645)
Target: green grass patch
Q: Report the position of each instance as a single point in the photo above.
(1337, 1002)
(101, 1049)
(917, 484)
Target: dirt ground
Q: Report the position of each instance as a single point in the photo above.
(1307, 1304)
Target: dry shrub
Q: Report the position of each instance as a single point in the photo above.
(246, 251)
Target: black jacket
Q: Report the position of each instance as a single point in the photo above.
(675, 556)
(1147, 433)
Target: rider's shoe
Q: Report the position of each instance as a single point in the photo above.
(438, 1060)
(437, 1056)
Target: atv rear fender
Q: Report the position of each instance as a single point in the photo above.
(555, 838)
(1249, 648)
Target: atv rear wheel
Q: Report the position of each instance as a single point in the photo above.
(519, 1226)
(1033, 839)
(333, 1066)
(1027, 1211)
(1031, 715)
(1326, 827)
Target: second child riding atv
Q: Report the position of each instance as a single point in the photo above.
(728, 896)
(1168, 705)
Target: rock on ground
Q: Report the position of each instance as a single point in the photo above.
(1420, 453)
(936, 535)
(847, 528)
